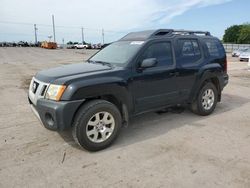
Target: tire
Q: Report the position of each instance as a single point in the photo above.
(94, 135)
(203, 104)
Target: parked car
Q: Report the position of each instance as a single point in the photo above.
(81, 46)
(144, 71)
(70, 46)
(236, 53)
(244, 56)
(22, 44)
(93, 46)
(96, 46)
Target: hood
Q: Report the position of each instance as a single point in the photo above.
(53, 74)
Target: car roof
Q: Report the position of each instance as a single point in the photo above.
(163, 33)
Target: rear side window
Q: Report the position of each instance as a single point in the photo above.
(189, 51)
(215, 48)
(162, 51)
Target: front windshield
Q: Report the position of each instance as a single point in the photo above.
(118, 53)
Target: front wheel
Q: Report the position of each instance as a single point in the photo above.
(96, 125)
(206, 100)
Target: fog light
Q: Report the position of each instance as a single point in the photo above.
(49, 120)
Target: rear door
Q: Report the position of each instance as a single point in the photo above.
(189, 58)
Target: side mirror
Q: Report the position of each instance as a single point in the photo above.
(147, 63)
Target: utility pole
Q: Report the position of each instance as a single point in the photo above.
(82, 37)
(54, 31)
(102, 36)
(63, 42)
(35, 28)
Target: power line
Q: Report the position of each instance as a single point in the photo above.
(23, 34)
(60, 32)
(59, 26)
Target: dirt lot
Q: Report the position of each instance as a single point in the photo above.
(167, 150)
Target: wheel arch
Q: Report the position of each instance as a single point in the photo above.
(206, 77)
(121, 105)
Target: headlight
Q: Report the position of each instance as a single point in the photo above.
(55, 92)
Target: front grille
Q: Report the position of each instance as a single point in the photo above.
(35, 85)
(37, 90)
(43, 90)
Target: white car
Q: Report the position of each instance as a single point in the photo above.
(244, 56)
(81, 46)
(236, 53)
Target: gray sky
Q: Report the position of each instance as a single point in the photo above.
(117, 17)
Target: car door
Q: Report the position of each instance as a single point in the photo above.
(189, 59)
(155, 86)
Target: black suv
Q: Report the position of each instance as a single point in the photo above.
(144, 71)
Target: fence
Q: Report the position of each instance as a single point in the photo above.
(231, 47)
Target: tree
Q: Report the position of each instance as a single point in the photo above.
(232, 34)
(238, 34)
(244, 35)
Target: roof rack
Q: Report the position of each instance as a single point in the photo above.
(190, 32)
(144, 35)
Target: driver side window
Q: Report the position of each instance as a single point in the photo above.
(161, 51)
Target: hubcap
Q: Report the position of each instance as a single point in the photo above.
(208, 99)
(100, 127)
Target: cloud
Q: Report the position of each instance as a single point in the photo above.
(169, 10)
(112, 15)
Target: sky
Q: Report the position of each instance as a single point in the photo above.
(115, 17)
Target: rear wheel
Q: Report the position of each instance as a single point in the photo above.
(96, 125)
(206, 100)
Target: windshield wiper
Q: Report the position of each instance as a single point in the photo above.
(101, 62)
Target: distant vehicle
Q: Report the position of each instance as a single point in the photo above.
(96, 46)
(236, 53)
(81, 46)
(244, 56)
(22, 44)
(70, 46)
(49, 45)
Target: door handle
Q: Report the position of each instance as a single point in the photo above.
(174, 74)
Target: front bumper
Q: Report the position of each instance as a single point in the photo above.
(56, 115)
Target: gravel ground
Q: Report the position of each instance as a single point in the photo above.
(167, 150)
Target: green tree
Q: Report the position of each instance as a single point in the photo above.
(244, 35)
(232, 34)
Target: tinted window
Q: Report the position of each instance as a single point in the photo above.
(196, 48)
(161, 51)
(190, 51)
(215, 48)
(187, 48)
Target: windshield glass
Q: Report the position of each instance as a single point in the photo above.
(118, 53)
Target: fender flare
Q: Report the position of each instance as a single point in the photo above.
(206, 75)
